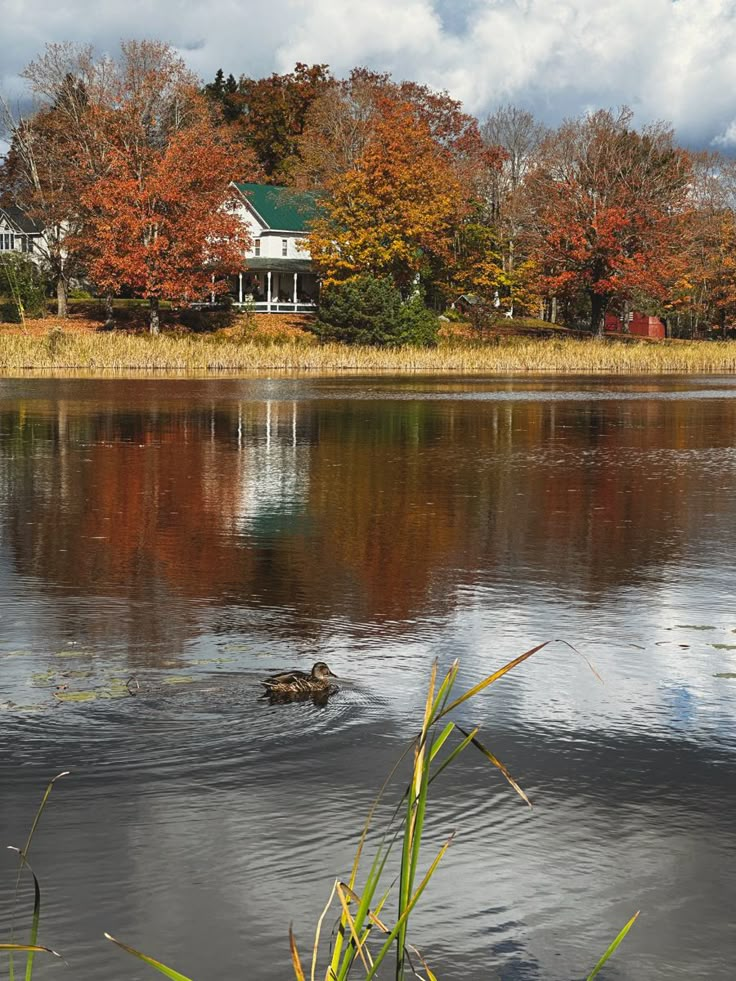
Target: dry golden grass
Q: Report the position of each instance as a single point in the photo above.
(92, 351)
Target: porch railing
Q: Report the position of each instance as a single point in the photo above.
(281, 306)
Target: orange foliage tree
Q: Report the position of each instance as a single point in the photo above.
(394, 208)
(607, 205)
(160, 220)
(397, 165)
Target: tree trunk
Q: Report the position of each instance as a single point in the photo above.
(109, 318)
(61, 304)
(553, 310)
(155, 322)
(598, 305)
(625, 325)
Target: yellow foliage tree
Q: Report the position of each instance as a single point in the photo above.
(395, 209)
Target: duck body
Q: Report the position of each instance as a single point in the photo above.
(300, 682)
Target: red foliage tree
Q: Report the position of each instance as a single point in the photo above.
(607, 204)
(160, 220)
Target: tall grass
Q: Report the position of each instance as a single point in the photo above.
(438, 745)
(32, 947)
(193, 353)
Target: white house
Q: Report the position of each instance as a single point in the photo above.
(278, 275)
(19, 233)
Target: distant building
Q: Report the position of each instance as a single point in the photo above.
(640, 324)
(278, 275)
(19, 233)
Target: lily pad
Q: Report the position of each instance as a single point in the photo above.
(724, 647)
(212, 660)
(694, 626)
(44, 679)
(725, 674)
(76, 696)
(178, 679)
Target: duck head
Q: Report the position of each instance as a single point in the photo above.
(320, 672)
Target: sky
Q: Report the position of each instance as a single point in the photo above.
(667, 59)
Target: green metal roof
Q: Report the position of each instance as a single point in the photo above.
(279, 265)
(282, 208)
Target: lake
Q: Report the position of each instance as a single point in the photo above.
(195, 535)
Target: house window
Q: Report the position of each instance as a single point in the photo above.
(7, 241)
(284, 246)
(257, 246)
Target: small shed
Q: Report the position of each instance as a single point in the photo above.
(640, 325)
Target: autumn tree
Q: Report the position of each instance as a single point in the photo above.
(160, 219)
(397, 165)
(607, 204)
(704, 287)
(394, 209)
(268, 114)
(519, 135)
(41, 173)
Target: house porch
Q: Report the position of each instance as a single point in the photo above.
(276, 286)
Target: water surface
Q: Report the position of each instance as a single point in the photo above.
(197, 534)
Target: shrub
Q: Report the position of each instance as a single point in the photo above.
(417, 324)
(363, 310)
(369, 310)
(24, 285)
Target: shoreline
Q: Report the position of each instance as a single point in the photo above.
(214, 355)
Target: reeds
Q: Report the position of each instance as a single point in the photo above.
(102, 352)
(32, 947)
(438, 745)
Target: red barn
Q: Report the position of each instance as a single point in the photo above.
(639, 324)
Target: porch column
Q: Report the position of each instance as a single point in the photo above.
(293, 295)
(268, 291)
(212, 293)
(240, 287)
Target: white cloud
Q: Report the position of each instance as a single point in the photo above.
(669, 59)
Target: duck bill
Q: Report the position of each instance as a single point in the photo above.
(331, 673)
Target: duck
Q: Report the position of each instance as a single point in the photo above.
(300, 682)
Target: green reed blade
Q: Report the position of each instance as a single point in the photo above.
(341, 970)
(415, 846)
(161, 968)
(497, 763)
(492, 677)
(23, 860)
(409, 907)
(445, 688)
(337, 948)
(454, 754)
(39, 812)
(33, 938)
(611, 949)
(36, 948)
(440, 740)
